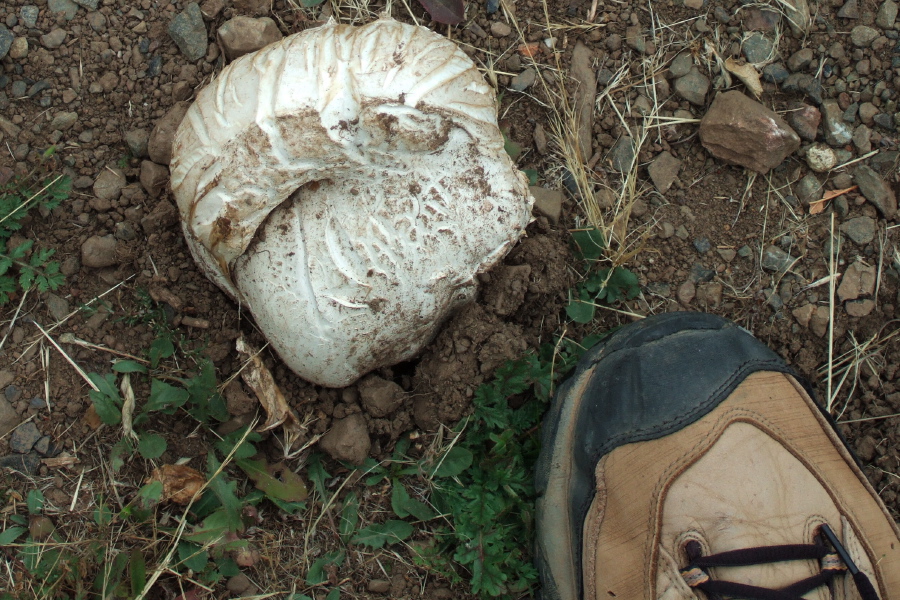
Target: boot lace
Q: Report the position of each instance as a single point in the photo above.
(833, 560)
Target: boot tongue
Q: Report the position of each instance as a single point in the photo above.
(771, 500)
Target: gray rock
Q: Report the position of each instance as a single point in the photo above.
(806, 83)
(693, 87)
(523, 80)
(777, 260)
(97, 21)
(667, 230)
(23, 438)
(189, 32)
(547, 203)
(29, 15)
(798, 16)
(137, 139)
(622, 155)
(663, 171)
(109, 183)
(884, 120)
(634, 37)
(44, 447)
(9, 418)
(876, 191)
(54, 39)
(862, 36)
(67, 7)
(862, 139)
(243, 35)
(6, 40)
(19, 89)
(887, 15)
(800, 59)
(850, 10)
(27, 464)
(702, 245)
(745, 252)
(700, 274)
(58, 307)
(775, 73)
(682, 232)
(809, 189)
(860, 308)
(837, 132)
(605, 76)
(867, 112)
(540, 140)
(98, 252)
(758, 48)
(681, 65)
(659, 288)
(88, 4)
(63, 121)
(861, 229)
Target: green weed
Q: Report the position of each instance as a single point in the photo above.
(23, 266)
(609, 285)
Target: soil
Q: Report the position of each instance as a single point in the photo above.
(700, 245)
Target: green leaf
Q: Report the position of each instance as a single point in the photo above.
(513, 148)
(214, 527)
(317, 473)
(377, 535)
(349, 516)
(128, 366)
(35, 502)
(580, 312)
(276, 481)
(102, 514)
(119, 451)
(532, 175)
(334, 594)
(151, 445)
(165, 398)
(310, 3)
(589, 242)
(192, 556)
(457, 460)
(316, 574)
(161, 347)
(138, 572)
(225, 492)
(8, 536)
(150, 494)
(403, 505)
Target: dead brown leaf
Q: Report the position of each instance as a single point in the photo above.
(747, 73)
(63, 460)
(258, 378)
(91, 418)
(180, 482)
(819, 205)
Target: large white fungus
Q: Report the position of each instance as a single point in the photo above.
(346, 185)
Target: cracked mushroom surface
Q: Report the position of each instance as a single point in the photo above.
(347, 184)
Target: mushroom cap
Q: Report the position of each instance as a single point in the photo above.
(347, 184)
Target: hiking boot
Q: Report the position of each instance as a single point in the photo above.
(684, 460)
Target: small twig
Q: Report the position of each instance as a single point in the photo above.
(75, 366)
(831, 286)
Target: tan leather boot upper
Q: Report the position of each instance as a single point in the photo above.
(761, 469)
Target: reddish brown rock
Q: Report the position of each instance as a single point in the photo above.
(805, 120)
(153, 177)
(741, 131)
(159, 146)
(243, 35)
